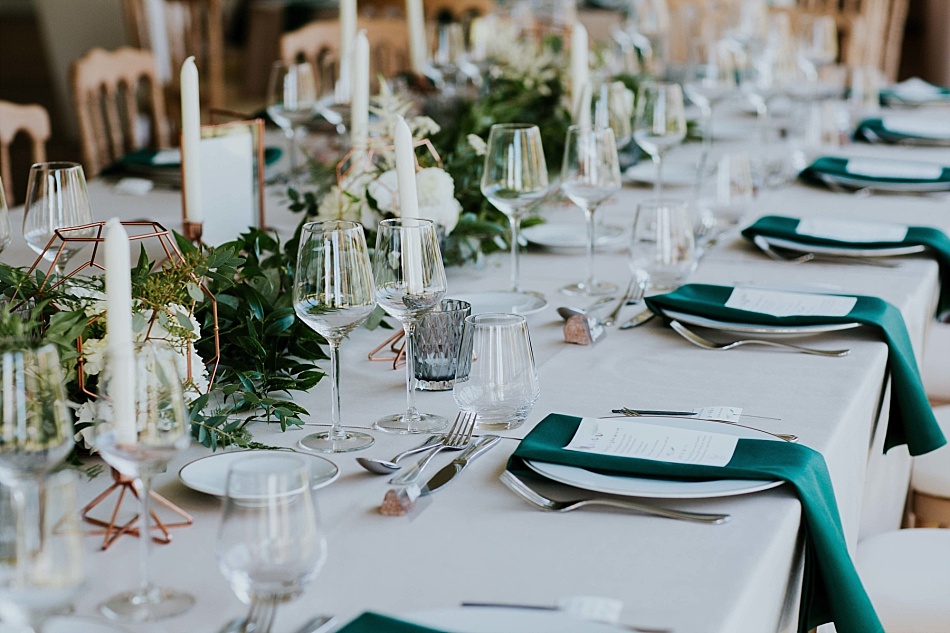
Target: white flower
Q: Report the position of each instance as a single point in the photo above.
(434, 188)
(477, 143)
(86, 414)
(94, 355)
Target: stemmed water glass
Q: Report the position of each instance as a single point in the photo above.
(292, 98)
(56, 198)
(710, 78)
(410, 281)
(816, 43)
(660, 123)
(662, 246)
(4, 219)
(590, 174)
(333, 294)
(515, 179)
(140, 448)
(270, 541)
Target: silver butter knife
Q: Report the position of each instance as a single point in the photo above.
(448, 473)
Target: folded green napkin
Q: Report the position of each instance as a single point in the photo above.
(935, 240)
(370, 622)
(911, 418)
(874, 131)
(831, 592)
(836, 167)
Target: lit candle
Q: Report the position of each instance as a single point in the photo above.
(417, 35)
(343, 88)
(359, 107)
(580, 73)
(119, 332)
(408, 203)
(190, 141)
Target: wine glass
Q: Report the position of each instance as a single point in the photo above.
(270, 542)
(333, 294)
(590, 174)
(660, 123)
(816, 43)
(662, 245)
(410, 281)
(140, 447)
(4, 219)
(725, 196)
(292, 98)
(710, 78)
(56, 198)
(514, 179)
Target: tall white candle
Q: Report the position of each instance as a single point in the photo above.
(408, 203)
(119, 331)
(359, 107)
(580, 73)
(418, 51)
(191, 141)
(344, 89)
(582, 115)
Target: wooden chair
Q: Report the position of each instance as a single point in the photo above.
(108, 88)
(192, 27)
(31, 119)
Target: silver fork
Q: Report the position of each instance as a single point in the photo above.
(772, 252)
(634, 294)
(457, 438)
(699, 341)
(259, 618)
(530, 495)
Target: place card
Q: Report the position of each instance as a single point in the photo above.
(655, 442)
(928, 127)
(852, 231)
(784, 304)
(893, 169)
(720, 414)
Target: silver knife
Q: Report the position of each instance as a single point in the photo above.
(638, 319)
(449, 472)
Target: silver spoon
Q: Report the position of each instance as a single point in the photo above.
(383, 467)
(567, 312)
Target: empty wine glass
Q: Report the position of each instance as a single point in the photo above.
(270, 541)
(590, 174)
(4, 219)
(292, 98)
(56, 198)
(662, 245)
(660, 123)
(710, 78)
(725, 195)
(333, 294)
(501, 385)
(816, 41)
(410, 281)
(140, 448)
(515, 179)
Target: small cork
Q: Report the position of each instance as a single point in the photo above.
(583, 330)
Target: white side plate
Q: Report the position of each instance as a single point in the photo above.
(503, 301)
(574, 236)
(493, 620)
(209, 474)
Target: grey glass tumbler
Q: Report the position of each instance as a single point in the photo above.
(435, 344)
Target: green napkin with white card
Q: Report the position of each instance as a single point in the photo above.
(911, 418)
(831, 591)
(846, 234)
(904, 129)
(885, 174)
(370, 622)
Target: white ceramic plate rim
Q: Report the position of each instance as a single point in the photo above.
(494, 619)
(566, 235)
(890, 251)
(764, 330)
(213, 471)
(674, 174)
(922, 186)
(663, 488)
(501, 301)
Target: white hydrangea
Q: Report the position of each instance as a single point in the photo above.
(477, 143)
(435, 189)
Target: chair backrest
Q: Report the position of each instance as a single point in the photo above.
(191, 27)
(33, 120)
(113, 93)
(457, 10)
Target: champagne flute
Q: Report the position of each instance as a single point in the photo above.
(515, 179)
(270, 542)
(4, 219)
(56, 198)
(590, 174)
(292, 98)
(662, 245)
(140, 448)
(710, 78)
(660, 123)
(410, 281)
(333, 294)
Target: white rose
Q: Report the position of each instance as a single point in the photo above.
(437, 202)
(94, 355)
(383, 191)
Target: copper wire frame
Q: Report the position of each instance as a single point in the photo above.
(397, 346)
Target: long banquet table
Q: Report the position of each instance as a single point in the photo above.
(475, 541)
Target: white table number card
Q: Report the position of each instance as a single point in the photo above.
(655, 442)
(852, 231)
(784, 304)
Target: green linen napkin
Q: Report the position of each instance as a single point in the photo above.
(935, 240)
(835, 166)
(911, 418)
(874, 131)
(831, 591)
(370, 622)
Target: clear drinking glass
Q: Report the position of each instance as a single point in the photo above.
(502, 384)
(726, 194)
(590, 174)
(710, 79)
(515, 179)
(816, 40)
(410, 281)
(660, 123)
(140, 448)
(662, 245)
(4, 219)
(334, 294)
(56, 198)
(436, 345)
(271, 544)
(292, 98)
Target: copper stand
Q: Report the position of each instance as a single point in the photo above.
(191, 231)
(113, 531)
(394, 347)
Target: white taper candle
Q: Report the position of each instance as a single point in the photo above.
(119, 332)
(191, 141)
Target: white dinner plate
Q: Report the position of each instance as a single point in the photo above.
(209, 474)
(891, 251)
(495, 619)
(756, 328)
(921, 186)
(503, 301)
(629, 486)
(71, 624)
(674, 174)
(574, 236)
